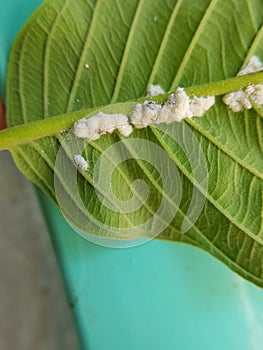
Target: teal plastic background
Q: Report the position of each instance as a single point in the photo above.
(161, 295)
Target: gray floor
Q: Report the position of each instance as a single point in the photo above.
(33, 310)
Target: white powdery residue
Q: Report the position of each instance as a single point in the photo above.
(144, 114)
(154, 90)
(255, 92)
(200, 105)
(80, 162)
(93, 127)
(254, 65)
(237, 101)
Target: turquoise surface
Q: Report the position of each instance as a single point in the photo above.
(160, 295)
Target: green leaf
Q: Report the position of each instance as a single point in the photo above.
(216, 193)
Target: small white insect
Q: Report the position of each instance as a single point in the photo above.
(254, 65)
(144, 114)
(92, 128)
(154, 90)
(200, 105)
(80, 162)
(86, 65)
(239, 100)
(255, 92)
(179, 104)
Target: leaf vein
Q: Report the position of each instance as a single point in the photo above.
(193, 42)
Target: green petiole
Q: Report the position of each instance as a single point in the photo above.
(21, 134)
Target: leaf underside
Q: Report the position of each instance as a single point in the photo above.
(129, 45)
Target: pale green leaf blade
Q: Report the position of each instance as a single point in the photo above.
(76, 54)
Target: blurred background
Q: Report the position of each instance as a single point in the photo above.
(34, 311)
(156, 296)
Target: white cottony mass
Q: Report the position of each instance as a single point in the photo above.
(91, 128)
(199, 105)
(144, 114)
(255, 92)
(240, 100)
(237, 101)
(178, 106)
(254, 65)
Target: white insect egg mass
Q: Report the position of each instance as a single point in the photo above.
(240, 100)
(80, 162)
(91, 128)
